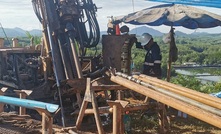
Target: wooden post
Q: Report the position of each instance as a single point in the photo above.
(120, 95)
(169, 60)
(115, 120)
(15, 42)
(1, 42)
(118, 106)
(163, 119)
(47, 122)
(44, 124)
(22, 95)
(2, 92)
(90, 97)
(171, 49)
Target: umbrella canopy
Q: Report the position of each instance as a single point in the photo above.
(173, 15)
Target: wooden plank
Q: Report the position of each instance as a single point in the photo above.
(96, 114)
(81, 114)
(118, 106)
(89, 97)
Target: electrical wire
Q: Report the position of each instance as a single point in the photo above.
(94, 33)
(36, 9)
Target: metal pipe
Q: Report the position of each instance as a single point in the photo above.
(170, 101)
(75, 56)
(65, 58)
(198, 96)
(57, 70)
(77, 63)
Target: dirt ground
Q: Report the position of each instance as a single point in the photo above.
(11, 123)
(141, 122)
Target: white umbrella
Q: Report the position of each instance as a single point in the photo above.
(173, 15)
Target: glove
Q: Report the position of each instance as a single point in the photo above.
(134, 39)
(138, 45)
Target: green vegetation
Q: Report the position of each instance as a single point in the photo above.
(33, 39)
(204, 50)
(195, 84)
(24, 41)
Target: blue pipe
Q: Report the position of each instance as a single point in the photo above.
(31, 104)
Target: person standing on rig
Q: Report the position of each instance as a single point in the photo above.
(152, 62)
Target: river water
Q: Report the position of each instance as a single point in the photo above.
(204, 77)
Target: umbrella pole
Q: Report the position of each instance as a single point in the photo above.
(169, 68)
(170, 56)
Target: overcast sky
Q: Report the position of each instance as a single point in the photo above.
(19, 13)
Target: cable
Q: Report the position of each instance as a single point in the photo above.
(133, 11)
(5, 33)
(133, 4)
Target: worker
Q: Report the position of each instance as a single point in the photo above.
(152, 63)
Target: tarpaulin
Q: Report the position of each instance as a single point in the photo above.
(207, 3)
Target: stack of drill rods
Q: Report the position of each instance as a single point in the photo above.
(198, 96)
(175, 95)
(183, 98)
(195, 111)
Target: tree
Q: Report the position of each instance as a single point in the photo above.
(33, 39)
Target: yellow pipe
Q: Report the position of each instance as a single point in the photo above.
(198, 96)
(170, 101)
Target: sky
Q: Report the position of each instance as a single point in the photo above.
(14, 13)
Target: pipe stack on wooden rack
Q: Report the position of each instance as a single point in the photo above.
(199, 105)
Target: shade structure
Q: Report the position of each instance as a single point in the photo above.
(172, 15)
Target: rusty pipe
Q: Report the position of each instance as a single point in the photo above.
(198, 96)
(170, 101)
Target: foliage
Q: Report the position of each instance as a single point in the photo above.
(36, 39)
(195, 84)
(24, 41)
(186, 81)
(94, 51)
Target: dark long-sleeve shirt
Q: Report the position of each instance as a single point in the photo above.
(152, 62)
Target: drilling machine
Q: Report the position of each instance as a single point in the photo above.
(69, 28)
(59, 65)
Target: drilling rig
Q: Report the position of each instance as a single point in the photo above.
(70, 28)
(59, 68)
